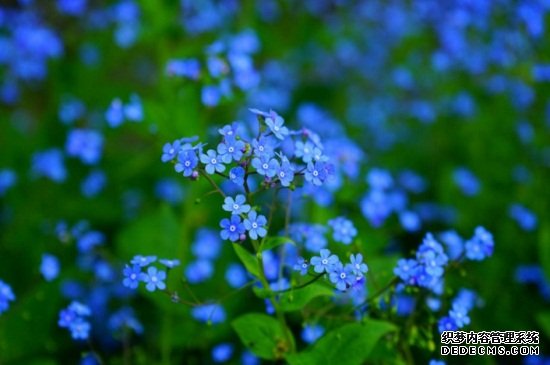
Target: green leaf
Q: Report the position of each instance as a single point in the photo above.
(263, 335)
(249, 261)
(543, 319)
(272, 242)
(297, 299)
(350, 344)
(544, 248)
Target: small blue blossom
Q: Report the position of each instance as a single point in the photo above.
(222, 352)
(341, 276)
(143, 261)
(87, 241)
(236, 275)
(72, 318)
(207, 244)
(199, 271)
(285, 173)
(133, 111)
(153, 279)
(325, 262)
(405, 269)
(480, 246)
(302, 266)
(6, 296)
(93, 184)
(467, 182)
(236, 175)
(524, 217)
(209, 313)
(49, 164)
(231, 149)
(187, 161)
(80, 329)
(170, 151)
(265, 165)
(255, 225)
(304, 150)
(447, 324)
(132, 275)
(276, 124)
(213, 162)
(264, 147)
(210, 95)
(49, 267)
(115, 113)
(358, 267)
(229, 130)
(170, 264)
(344, 230)
(236, 205)
(85, 144)
(125, 319)
(189, 68)
(169, 190)
(232, 229)
(8, 178)
(312, 332)
(460, 315)
(316, 173)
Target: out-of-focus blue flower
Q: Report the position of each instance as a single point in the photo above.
(410, 221)
(189, 68)
(73, 318)
(70, 110)
(143, 261)
(222, 352)
(460, 315)
(447, 324)
(72, 7)
(249, 359)
(87, 241)
(467, 182)
(133, 110)
(115, 113)
(169, 190)
(236, 175)
(8, 179)
(199, 271)
(525, 218)
(480, 246)
(312, 332)
(132, 275)
(49, 164)
(170, 263)
(49, 267)
(210, 95)
(125, 319)
(236, 275)
(454, 244)
(207, 244)
(343, 230)
(93, 184)
(85, 144)
(6, 296)
(209, 313)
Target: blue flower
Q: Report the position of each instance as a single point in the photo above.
(222, 352)
(154, 279)
(311, 333)
(229, 130)
(170, 151)
(50, 164)
(466, 181)
(85, 144)
(265, 166)
(264, 146)
(276, 124)
(236, 175)
(325, 262)
(480, 246)
(187, 161)
(6, 296)
(285, 172)
(199, 271)
(49, 268)
(358, 267)
(80, 329)
(460, 315)
(316, 173)
(406, 269)
(210, 95)
(134, 110)
(304, 150)
(302, 266)
(209, 313)
(236, 205)
(447, 324)
(72, 318)
(169, 190)
(341, 276)
(93, 184)
(143, 260)
(87, 241)
(344, 231)
(232, 229)
(255, 225)
(207, 244)
(125, 319)
(231, 149)
(170, 264)
(236, 275)
(525, 218)
(115, 114)
(213, 162)
(189, 68)
(8, 178)
(132, 275)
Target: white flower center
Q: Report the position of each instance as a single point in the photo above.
(235, 206)
(231, 149)
(275, 128)
(315, 173)
(154, 279)
(232, 228)
(282, 174)
(171, 151)
(324, 261)
(187, 163)
(265, 166)
(254, 225)
(342, 275)
(261, 148)
(133, 276)
(214, 161)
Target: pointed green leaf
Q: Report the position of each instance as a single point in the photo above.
(297, 299)
(272, 242)
(350, 344)
(249, 261)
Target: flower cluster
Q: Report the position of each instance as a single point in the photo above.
(118, 113)
(428, 268)
(6, 296)
(74, 319)
(152, 277)
(342, 275)
(228, 64)
(458, 314)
